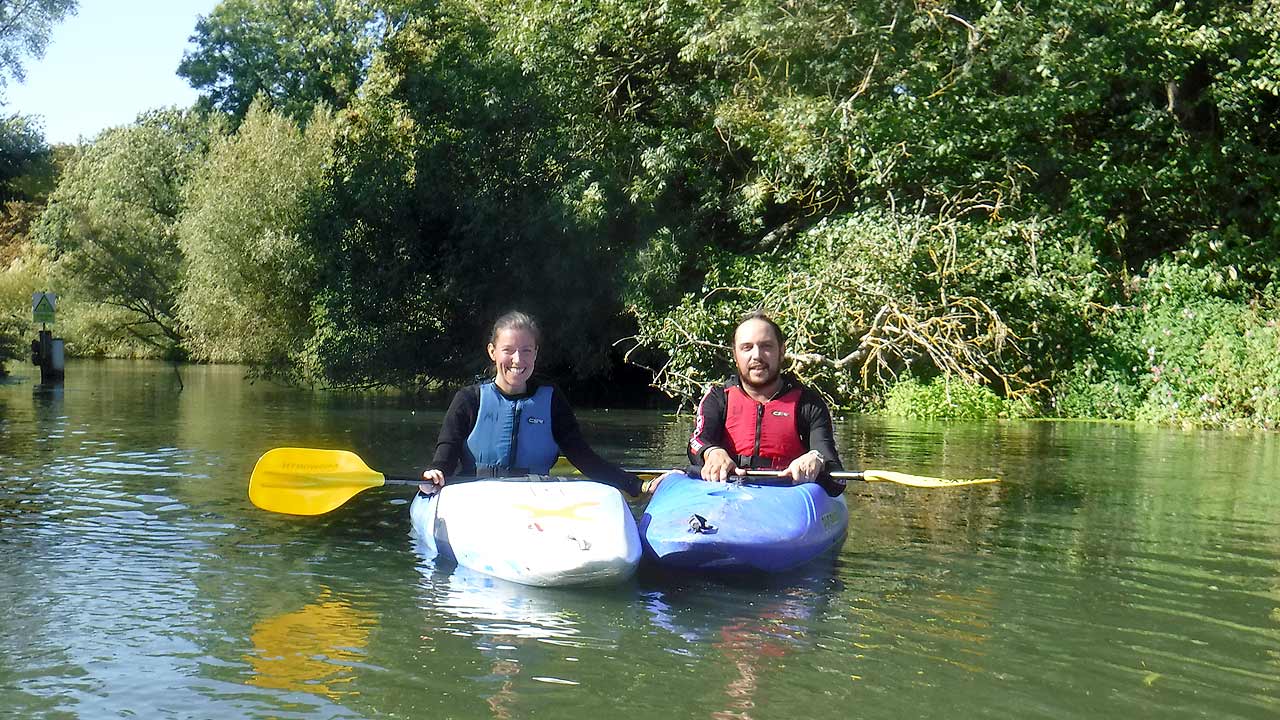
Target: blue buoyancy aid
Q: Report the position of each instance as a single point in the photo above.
(513, 435)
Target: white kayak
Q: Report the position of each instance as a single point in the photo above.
(574, 532)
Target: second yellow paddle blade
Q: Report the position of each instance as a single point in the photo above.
(306, 481)
(920, 481)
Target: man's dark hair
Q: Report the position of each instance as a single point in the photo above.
(764, 318)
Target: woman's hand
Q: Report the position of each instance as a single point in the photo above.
(435, 481)
(650, 486)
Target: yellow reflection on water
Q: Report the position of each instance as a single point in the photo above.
(312, 649)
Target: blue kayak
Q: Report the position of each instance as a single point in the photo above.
(694, 524)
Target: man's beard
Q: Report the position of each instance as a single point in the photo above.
(771, 379)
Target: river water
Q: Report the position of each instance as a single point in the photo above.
(1115, 572)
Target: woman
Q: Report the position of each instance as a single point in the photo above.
(515, 425)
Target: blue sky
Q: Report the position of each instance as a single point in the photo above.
(107, 63)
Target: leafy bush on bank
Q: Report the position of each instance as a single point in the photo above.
(941, 398)
(868, 296)
(1190, 350)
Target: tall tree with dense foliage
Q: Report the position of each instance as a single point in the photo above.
(294, 53)
(733, 149)
(26, 168)
(446, 211)
(112, 222)
(250, 274)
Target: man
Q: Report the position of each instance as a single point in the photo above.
(764, 419)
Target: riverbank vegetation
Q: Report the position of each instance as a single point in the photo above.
(1054, 208)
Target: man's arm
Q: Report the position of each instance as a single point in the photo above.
(818, 433)
(708, 428)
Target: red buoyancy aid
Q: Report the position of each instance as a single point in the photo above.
(762, 436)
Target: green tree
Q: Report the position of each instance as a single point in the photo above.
(28, 173)
(250, 274)
(295, 53)
(24, 31)
(446, 210)
(1063, 145)
(113, 218)
(26, 163)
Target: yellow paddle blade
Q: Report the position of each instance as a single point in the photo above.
(305, 481)
(920, 481)
(564, 467)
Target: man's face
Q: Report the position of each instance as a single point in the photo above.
(757, 354)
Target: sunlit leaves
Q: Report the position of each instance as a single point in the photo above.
(293, 53)
(112, 220)
(250, 272)
(24, 31)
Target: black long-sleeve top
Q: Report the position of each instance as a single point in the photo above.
(452, 456)
(813, 422)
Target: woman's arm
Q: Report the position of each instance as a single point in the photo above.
(568, 435)
(459, 421)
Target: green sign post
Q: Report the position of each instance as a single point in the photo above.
(42, 304)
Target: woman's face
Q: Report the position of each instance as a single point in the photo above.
(513, 353)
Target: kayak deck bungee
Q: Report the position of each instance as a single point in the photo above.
(545, 533)
(743, 527)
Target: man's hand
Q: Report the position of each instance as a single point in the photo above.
(717, 466)
(803, 469)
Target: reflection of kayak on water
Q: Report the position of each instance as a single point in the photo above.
(487, 605)
(750, 631)
(573, 532)
(699, 608)
(483, 605)
(694, 524)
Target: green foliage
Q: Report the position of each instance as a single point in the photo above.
(946, 399)
(27, 170)
(914, 190)
(112, 222)
(12, 346)
(21, 273)
(1186, 352)
(20, 276)
(869, 295)
(294, 53)
(446, 210)
(24, 31)
(26, 166)
(250, 275)
(1090, 389)
(1061, 144)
